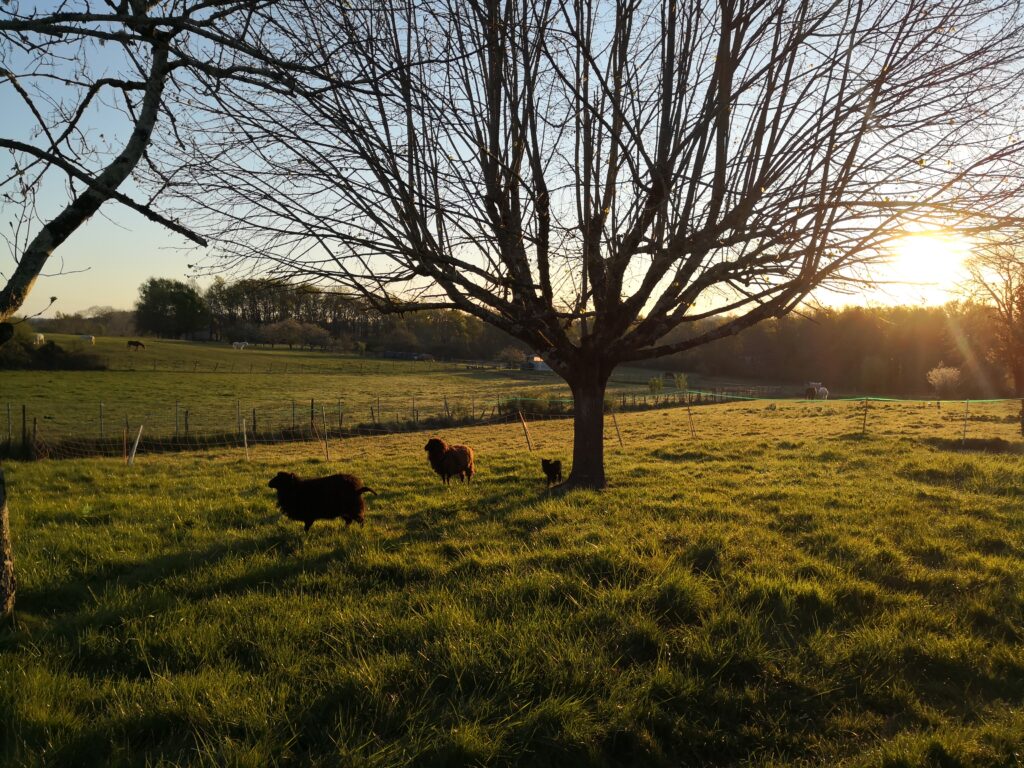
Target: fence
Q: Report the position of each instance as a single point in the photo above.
(27, 437)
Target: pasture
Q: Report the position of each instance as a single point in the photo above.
(212, 380)
(777, 591)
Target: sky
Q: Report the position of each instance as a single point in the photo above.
(105, 262)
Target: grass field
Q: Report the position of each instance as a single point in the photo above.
(779, 591)
(67, 402)
(211, 380)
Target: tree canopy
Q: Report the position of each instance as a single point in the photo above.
(170, 308)
(590, 176)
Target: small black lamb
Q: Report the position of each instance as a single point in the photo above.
(321, 498)
(552, 469)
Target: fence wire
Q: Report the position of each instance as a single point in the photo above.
(972, 422)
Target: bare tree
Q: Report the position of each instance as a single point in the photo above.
(995, 276)
(79, 72)
(87, 87)
(588, 175)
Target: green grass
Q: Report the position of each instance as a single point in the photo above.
(212, 380)
(67, 403)
(779, 591)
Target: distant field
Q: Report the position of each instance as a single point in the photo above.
(777, 591)
(67, 402)
(213, 383)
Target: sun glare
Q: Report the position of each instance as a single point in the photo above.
(925, 267)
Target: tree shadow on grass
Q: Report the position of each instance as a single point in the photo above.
(975, 444)
(155, 585)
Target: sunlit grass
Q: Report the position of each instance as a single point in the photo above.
(780, 590)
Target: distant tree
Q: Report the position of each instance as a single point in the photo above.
(945, 380)
(313, 336)
(996, 278)
(680, 381)
(512, 356)
(169, 308)
(288, 332)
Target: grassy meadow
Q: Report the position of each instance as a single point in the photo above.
(776, 591)
(211, 380)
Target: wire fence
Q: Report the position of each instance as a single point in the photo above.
(322, 424)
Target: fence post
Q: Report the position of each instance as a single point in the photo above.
(253, 423)
(8, 583)
(135, 447)
(617, 433)
(245, 440)
(526, 431)
(175, 419)
(101, 421)
(10, 426)
(293, 415)
(24, 429)
(186, 424)
(323, 415)
(864, 423)
(967, 408)
(238, 415)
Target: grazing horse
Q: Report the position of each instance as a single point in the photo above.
(136, 345)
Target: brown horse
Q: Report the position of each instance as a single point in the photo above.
(133, 344)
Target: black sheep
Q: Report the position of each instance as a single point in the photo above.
(552, 469)
(321, 498)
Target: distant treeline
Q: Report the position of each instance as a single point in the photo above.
(275, 312)
(875, 350)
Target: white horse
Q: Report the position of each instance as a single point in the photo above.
(239, 344)
(87, 337)
(821, 394)
(38, 339)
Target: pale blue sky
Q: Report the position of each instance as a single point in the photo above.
(105, 261)
(108, 258)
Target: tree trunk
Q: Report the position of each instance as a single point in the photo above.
(1017, 366)
(7, 581)
(588, 431)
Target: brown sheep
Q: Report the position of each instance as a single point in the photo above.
(450, 460)
(321, 498)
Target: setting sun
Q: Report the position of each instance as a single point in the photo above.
(924, 267)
